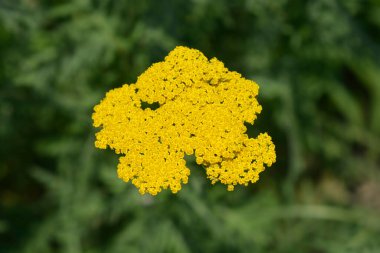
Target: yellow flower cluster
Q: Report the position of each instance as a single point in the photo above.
(202, 107)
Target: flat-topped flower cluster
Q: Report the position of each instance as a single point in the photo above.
(202, 108)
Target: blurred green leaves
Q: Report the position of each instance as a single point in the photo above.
(317, 64)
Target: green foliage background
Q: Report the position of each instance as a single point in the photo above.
(318, 66)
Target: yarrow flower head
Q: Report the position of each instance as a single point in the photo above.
(190, 105)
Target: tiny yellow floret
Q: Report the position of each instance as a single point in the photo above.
(189, 105)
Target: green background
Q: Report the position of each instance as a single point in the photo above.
(318, 66)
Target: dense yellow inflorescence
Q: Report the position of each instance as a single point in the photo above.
(202, 110)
